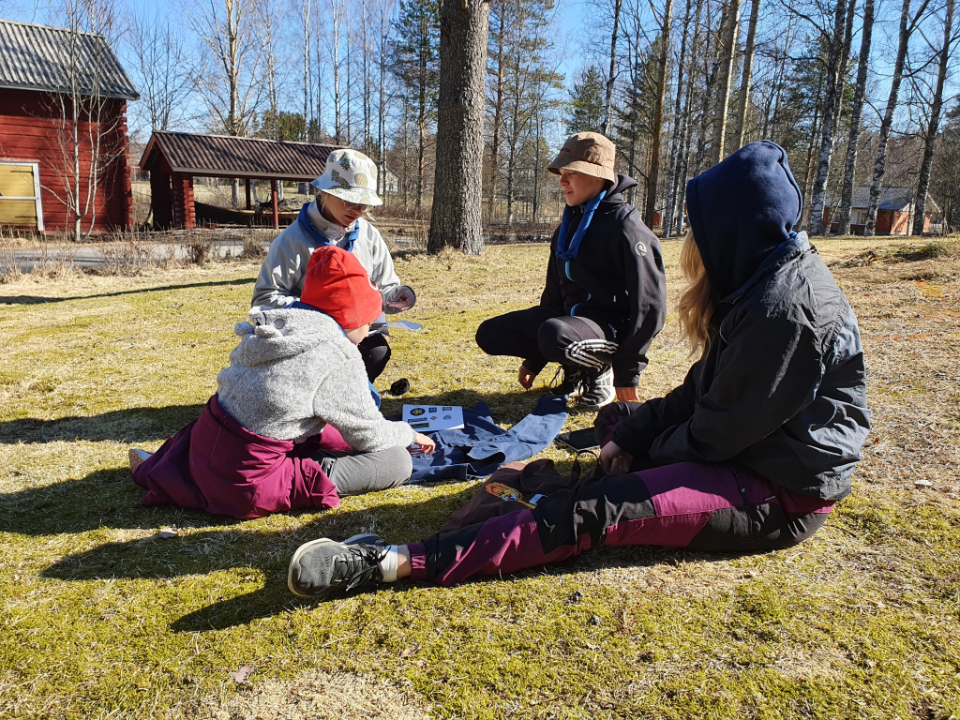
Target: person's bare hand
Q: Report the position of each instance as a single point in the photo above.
(615, 461)
(424, 444)
(628, 394)
(525, 377)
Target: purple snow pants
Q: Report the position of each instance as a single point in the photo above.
(709, 507)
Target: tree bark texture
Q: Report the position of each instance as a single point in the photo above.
(936, 108)
(456, 218)
(656, 131)
(906, 30)
(740, 128)
(728, 42)
(834, 85)
(612, 75)
(679, 127)
(856, 118)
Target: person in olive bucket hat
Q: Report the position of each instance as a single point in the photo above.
(605, 295)
(344, 193)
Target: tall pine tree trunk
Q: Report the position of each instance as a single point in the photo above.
(935, 110)
(679, 126)
(856, 118)
(497, 115)
(458, 185)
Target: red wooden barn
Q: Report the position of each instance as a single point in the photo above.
(49, 76)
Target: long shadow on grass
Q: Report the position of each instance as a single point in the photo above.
(39, 300)
(133, 425)
(103, 499)
(251, 553)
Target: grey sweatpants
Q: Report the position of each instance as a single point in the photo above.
(355, 473)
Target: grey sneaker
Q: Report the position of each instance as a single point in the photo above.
(365, 539)
(597, 390)
(321, 567)
(571, 384)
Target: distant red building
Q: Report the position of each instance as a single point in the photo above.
(894, 213)
(38, 65)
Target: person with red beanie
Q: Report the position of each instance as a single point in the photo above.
(295, 422)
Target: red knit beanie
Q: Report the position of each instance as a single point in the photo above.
(338, 285)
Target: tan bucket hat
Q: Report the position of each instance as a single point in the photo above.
(589, 153)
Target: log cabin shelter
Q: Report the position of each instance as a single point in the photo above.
(174, 159)
(47, 73)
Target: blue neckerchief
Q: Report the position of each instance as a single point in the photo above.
(297, 305)
(319, 238)
(569, 250)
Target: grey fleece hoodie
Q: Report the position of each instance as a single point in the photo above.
(293, 372)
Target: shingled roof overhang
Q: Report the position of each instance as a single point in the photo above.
(49, 59)
(233, 157)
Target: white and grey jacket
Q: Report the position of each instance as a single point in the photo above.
(293, 372)
(281, 277)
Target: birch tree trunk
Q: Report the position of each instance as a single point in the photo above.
(612, 75)
(935, 110)
(656, 130)
(856, 118)
(748, 52)
(728, 42)
(906, 30)
(458, 189)
(679, 127)
(834, 85)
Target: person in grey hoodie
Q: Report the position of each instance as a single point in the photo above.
(750, 453)
(345, 191)
(295, 422)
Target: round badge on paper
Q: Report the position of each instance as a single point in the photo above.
(641, 249)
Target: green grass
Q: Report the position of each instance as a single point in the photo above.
(102, 618)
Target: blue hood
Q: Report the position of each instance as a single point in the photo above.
(741, 210)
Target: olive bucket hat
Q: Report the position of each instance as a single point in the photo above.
(351, 176)
(589, 153)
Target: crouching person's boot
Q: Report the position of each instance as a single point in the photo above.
(597, 389)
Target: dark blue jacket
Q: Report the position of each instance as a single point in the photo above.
(617, 280)
(780, 387)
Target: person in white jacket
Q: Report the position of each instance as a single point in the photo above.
(345, 191)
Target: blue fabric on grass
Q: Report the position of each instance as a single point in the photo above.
(481, 446)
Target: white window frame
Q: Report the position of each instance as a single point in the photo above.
(36, 189)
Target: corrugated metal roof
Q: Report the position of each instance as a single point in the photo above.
(891, 198)
(221, 155)
(38, 57)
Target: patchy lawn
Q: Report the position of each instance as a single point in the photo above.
(103, 618)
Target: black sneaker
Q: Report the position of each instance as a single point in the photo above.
(366, 539)
(571, 384)
(597, 390)
(321, 567)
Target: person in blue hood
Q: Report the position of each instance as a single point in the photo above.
(750, 453)
(605, 294)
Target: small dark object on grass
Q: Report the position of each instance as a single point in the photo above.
(576, 597)
(595, 620)
(400, 387)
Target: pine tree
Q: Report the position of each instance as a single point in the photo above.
(586, 103)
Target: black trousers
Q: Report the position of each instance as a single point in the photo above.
(539, 336)
(375, 353)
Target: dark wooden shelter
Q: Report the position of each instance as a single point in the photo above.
(43, 72)
(174, 159)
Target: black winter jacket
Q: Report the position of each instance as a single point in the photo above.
(781, 386)
(617, 280)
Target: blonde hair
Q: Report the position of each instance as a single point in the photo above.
(697, 300)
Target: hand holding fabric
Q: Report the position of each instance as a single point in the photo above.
(402, 298)
(424, 444)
